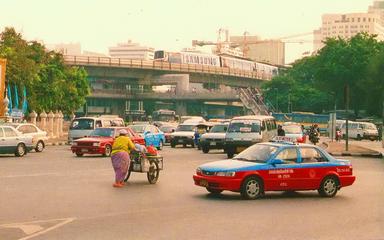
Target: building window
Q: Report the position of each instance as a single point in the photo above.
(363, 19)
(369, 19)
(358, 19)
(353, 19)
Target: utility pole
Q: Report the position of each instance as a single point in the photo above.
(346, 96)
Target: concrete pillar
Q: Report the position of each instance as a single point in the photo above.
(181, 108)
(43, 121)
(61, 132)
(56, 127)
(182, 85)
(33, 116)
(50, 123)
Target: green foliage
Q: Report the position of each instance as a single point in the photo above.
(316, 83)
(50, 84)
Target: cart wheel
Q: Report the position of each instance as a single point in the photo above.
(153, 173)
(128, 175)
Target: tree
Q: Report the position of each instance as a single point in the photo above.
(49, 82)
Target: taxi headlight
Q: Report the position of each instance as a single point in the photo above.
(96, 144)
(225, 174)
(198, 170)
(74, 143)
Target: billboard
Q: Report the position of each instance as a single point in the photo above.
(2, 84)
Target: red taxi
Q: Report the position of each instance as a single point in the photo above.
(276, 166)
(100, 141)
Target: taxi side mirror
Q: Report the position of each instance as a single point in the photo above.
(276, 161)
(225, 129)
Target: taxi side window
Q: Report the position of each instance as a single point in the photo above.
(288, 155)
(311, 155)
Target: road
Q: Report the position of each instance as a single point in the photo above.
(55, 195)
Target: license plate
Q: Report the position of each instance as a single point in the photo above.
(204, 183)
(212, 143)
(84, 150)
(240, 149)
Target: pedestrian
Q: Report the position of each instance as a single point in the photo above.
(280, 131)
(380, 133)
(121, 148)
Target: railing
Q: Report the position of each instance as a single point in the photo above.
(122, 93)
(165, 66)
(252, 100)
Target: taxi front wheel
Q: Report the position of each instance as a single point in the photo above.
(328, 187)
(252, 188)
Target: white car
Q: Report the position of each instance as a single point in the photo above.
(39, 137)
(13, 141)
(184, 134)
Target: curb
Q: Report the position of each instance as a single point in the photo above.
(372, 155)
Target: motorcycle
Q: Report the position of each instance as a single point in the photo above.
(314, 136)
(338, 135)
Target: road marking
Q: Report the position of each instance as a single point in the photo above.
(30, 175)
(33, 229)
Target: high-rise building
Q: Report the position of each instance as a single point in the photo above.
(66, 48)
(132, 50)
(349, 24)
(267, 51)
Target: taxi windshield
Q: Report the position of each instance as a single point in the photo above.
(256, 153)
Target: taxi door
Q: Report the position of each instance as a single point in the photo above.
(313, 167)
(284, 176)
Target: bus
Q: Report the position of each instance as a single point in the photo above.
(307, 119)
(164, 115)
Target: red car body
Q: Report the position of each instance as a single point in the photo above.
(102, 143)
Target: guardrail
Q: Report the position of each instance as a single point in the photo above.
(166, 66)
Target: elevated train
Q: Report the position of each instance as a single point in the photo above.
(216, 61)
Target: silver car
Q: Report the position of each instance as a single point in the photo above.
(13, 141)
(39, 137)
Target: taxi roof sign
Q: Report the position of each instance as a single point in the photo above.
(284, 139)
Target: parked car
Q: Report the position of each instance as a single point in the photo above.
(276, 166)
(151, 134)
(184, 134)
(101, 140)
(295, 131)
(14, 142)
(214, 139)
(167, 130)
(39, 137)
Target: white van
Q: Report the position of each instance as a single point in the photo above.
(245, 131)
(83, 126)
(360, 130)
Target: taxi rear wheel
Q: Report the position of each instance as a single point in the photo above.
(214, 191)
(329, 187)
(252, 188)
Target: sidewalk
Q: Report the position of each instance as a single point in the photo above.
(363, 148)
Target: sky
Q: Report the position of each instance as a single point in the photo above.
(167, 24)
